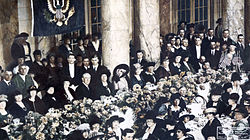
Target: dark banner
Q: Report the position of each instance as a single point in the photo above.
(52, 17)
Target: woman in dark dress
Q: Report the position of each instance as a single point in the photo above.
(175, 67)
(136, 77)
(34, 102)
(104, 87)
(64, 93)
(18, 109)
(53, 69)
(164, 70)
(50, 100)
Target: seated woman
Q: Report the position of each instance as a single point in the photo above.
(186, 66)
(175, 67)
(175, 108)
(64, 92)
(164, 70)
(120, 78)
(3, 113)
(35, 103)
(113, 124)
(50, 99)
(18, 109)
(136, 77)
(232, 104)
(149, 75)
(104, 87)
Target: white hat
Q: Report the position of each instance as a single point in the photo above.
(84, 126)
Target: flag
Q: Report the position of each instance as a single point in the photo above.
(50, 17)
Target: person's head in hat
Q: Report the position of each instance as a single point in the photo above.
(240, 113)
(219, 21)
(246, 90)
(150, 67)
(169, 124)
(182, 24)
(150, 119)
(177, 59)
(114, 122)
(233, 99)
(128, 134)
(185, 57)
(121, 71)
(235, 78)
(228, 87)
(32, 92)
(185, 118)
(181, 132)
(95, 123)
(20, 59)
(44, 62)
(17, 95)
(165, 62)
(3, 101)
(105, 75)
(246, 103)
(37, 55)
(210, 113)
(215, 94)
(85, 129)
(136, 69)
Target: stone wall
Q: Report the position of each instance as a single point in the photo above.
(165, 23)
(8, 29)
(247, 21)
(234, 19)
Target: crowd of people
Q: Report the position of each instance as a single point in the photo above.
(74, 71)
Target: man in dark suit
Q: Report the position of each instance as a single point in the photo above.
(139, 59)
(72, 71)
(196, 52)
(96, 69)
(23, 81)
(6, 85)
(213, 56)
(207, 40)
(84, 89)
(240, 48)
(226, 39)
(86, 64)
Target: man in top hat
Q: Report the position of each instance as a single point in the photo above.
(149, 75)
(21, 47)
(23, 81)
(113, 124)
(210, 129)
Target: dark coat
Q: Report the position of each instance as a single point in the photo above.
(96, 75)
(142, 63)
(17, 51)
(228, 42)
(211, 129)
(102, 90)
(7, 89)
(213, 59)
(41, 73)
(82, 91)
(135, 81)
(154, 136)
(220, 106)
(37, 106)
(186, 69)
(76, 80)
(51, 101)
(174, 69)
(63, 51)
(21, 85)
(161, 72)
(149, 78)
(17, 112)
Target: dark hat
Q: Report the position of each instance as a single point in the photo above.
(216, 91)
(150, 115)
(106, 71)
(16, 92)
(151, 64)
(32, 88)
(234, 96)
(235, 76)
(114, 118)
(37, 52)
(184, 55)
(182, 128)
(227, 85)
(247, 100)
(169, 121)
(191, 117)
(219, 20)
(94, 120)
(245, 88)
(24, 34)
(242, 110)
(20, 56)
(191, 25)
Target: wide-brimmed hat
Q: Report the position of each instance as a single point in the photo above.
(169, 121)
(182, 128)
(227, 85)
(150, 115)
(3, 98)
(191, 117)
(32, 88)
(114, 118)
(37, 52)
(234, 96)
(235, 76)
(242, 110)
(219, 20)
(83, 127)
(216, 91)
(94, 120)
(210, 110)
(122, 66)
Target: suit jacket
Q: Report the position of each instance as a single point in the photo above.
(240, 50)
(174, 69)
(41, 73)
(7, 89)
(149, 78)
(21, 85)
(161, 72)
(96, 75)
(211, 129)
(76, 80)
(63, 51)
(213, 59)
(206, 43)
(186, 69)
(228, 42)
(82, 91)
(142, 63)
(17, 50)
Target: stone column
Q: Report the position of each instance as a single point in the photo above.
(234, 20)
(115, 32)
(147, 28)
(247, 21)
(165, 22)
